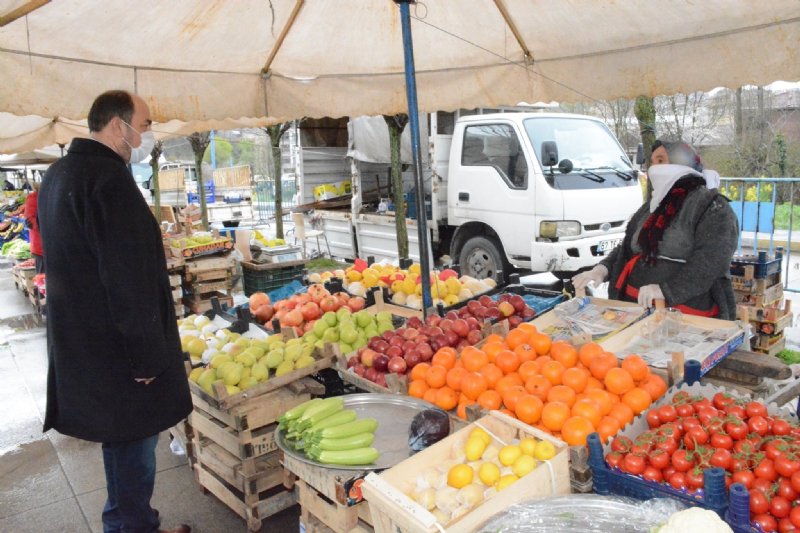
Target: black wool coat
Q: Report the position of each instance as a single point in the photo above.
(110, 313)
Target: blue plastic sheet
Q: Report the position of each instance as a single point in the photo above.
(539, 304)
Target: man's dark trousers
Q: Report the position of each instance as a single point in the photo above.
(130, 477)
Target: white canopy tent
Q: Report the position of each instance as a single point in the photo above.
(207, 64)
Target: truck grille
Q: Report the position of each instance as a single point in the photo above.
(595, 227)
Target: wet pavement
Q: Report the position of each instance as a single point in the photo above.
(54, 483)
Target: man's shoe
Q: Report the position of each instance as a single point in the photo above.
(183, 528)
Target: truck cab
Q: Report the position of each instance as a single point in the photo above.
(536, 191)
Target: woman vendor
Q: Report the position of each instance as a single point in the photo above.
(677, 247)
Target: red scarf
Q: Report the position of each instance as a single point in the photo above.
(659, 220)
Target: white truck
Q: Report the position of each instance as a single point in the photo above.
(534, 191)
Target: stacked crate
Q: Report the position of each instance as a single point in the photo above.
(208, 277)
(175, 269)
(236, 456)
(759, 293)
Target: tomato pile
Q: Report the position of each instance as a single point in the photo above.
(693, 433)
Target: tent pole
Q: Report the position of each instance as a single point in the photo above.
(413, 118)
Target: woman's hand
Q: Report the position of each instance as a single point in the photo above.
(648, 294)
(595, 276)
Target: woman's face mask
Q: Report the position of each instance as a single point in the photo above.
(141, 152)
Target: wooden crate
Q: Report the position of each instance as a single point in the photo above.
(398, 310)
(770, 345)
(394, 512)
(184, 434)
(766, 298)
(199, 304)
(208, 268)
(319, 515)
(752, 285)
(23, 279)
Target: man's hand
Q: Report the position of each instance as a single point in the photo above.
(145, 381)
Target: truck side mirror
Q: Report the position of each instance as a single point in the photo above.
(549, 153)
(640, 154)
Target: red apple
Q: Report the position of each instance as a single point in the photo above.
(410, 333)
(408, 346)
(485, 301)
(474, 337)
(460, 327)
(412, 359)
(397, 340)
(371, 374)
(452, 337)
(514, 321)
(397, 365)
(381, 346)
(380, 379)
(394, 351)
(368, 357)
(360, 370)
(433, 320)
(381, 363)
(446, 324)
(494, 313)
(506, 308)
(473, 323)
(425, 351)
(414, 323)
(528, 313)
(518, 302)
(353, 361)
(461, 345)
(451, 315)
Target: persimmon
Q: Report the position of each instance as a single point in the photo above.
(507, 361)
(538, 386)
(494, 337)
(490, 400)
(454, 376)
(655, 386)
(436, 376)
(637, 399)
(601, 364)
(527, 370)
(430, 396)
(541, 343)
(589, 409)
(515, 378)
(603, 400)
(529, 408)
(608, 427)
(588, 352)
(446, 398)
(419, 371)
(491, 349)
(575, 430)
(512, 395)
(517, 337)
(504, 383)
(417, 388)
(575, 378)
(636, 367)
(554, 414)
(564, 353)
(622, 412)
(618, 381)
(473, 385)
(445, 357)
(552, 370)
(525, 352)
(473, 358)
(561, 393)
(491, 373)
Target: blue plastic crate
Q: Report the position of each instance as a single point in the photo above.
(738, 514)
(762, 265)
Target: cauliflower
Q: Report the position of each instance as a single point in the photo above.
(695, 519)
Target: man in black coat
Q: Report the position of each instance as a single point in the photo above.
(115, 373)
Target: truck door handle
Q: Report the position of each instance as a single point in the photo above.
(463, 197)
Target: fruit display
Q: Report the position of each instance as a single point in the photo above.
(301, 311)
(478, 468)
(506, 306)
(691, 433)
(267, 243)
(326, 432)
(551, 385)
(16, 248)
(11, 230)
(400, 351)
(405, 285)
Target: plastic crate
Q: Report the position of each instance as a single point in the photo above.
(762, 265)
(261, 279)
(738, 514)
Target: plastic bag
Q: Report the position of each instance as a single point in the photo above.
(587, 513)
(427, 428)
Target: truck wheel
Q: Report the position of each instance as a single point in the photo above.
(481, 258)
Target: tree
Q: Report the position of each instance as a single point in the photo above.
(397, 124)
(158, 149)
(645, 111)
(223, 152)
(199, 142)
(690, 117)
(275, 133)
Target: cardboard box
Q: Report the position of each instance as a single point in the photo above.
(332, 190)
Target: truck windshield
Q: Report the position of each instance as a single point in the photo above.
(597, 158)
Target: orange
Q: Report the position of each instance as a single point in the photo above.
(575, 378)
(575, 430)
(588, 351)
(462, 409)
(564, 353)
(454, 376)
(494, 337)
(491, 373)
(538, 386)
(419, 371)
(528, 328)
(445, 357)
(540, 342)
(542, 359)
(618, 381)
(589, 409)
(446, 398)
(529, 408)
(655, 386)
(515, 378)
(525, 353)
(473, 385)
(601, 364)
(553, 370)
(436, 376)
(504, 383)
(603, 400)
(517, 337)
(507, 361)
(417, 388)
(491, 349)
(508, 412)
(622, 412)
(473, 358)
(430, 396)
(594, 383)
(636, 367)
(490, 400)
(554, 414)
(459, 363)
(512, 395)
(527, 370)
(608, 427)
(561, 393)
(637, 399)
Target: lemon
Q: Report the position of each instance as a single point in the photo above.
(474, 448)
(545, 450)
(480, 432)
(528, 446)
(460, 476)
(523, 465)
(509, 454)
(409, 285)
(489, 473)
(414, 268)
(505, 481)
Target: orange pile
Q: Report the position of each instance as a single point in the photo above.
(551, 385)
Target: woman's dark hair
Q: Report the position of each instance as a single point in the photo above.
(108, 105)
(680, 153)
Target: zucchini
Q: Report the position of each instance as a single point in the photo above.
(342, 417)
(362, 440)
(297, 411)
(364, 425)
(321, 411)
(355, 457)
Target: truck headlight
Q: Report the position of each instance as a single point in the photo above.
(553, 229)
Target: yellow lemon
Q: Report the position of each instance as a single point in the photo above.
(370, 279)
(505, 481)
(475, 447)
(528, 446)
(453, 286)
(409, 285)
(480, 432)
(353, 275)
(460, 476)
(509, 454)
(489, 473)
(414, 268)
(523, 465)
(450, 300)
(397, 287)
(545, 450)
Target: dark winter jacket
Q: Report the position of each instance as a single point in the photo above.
(111, 316)
(693, 267)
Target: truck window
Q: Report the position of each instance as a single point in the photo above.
(496, 145)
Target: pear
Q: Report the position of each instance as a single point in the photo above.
(196, 346)
(304, 361)
(320, 326)
(330, 318)
(384, 316)
(220, 358)
(343, 312)
(383, 327)
(234, 375)
(345, 348)
(331, 335)
(248, 383)
(195, 373)
(364, 319)
(245, 359)
(257, 352)
(292, 352)
(232, 389)
(348, 334)
(259, 372)
(245, 374)
(284, 368)
(273, 359)
(310, 338)
(206, 377)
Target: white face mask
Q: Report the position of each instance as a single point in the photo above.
(663, 177)
(141, 152)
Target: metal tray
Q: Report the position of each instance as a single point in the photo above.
(393, 413)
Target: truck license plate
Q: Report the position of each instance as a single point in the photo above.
(607, 246)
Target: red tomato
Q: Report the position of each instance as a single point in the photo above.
(755, 409)
(681, 462)
(721, 458)
(689, 423)
(774, 449)
(694, 478)
(758, 502)
(766, 470)
(780, 507)
(765, 522)
(745, 477)
(785, 526)
(721, 399)
(759, 425)
(658, 459)
(667, 472)
(653, 474)
(668, 445)
(736, 411)
(795, 479)
(781, 427)
(684, 410)
(785, 466)
(761, 484)
(695, 436)
(794, 516)
(786, 490)
(614, 459)
(705, 414)
(681, 397)
(653, 421)
(667, 413)
(670, 430)
(721, 440)
(678, 480)
(633, 464)
(702, 402)
(736, 429)
(739, 464)
(621, 444)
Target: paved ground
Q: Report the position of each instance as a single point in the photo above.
(53, 483)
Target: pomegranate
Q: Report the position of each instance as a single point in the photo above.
(257, 299)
